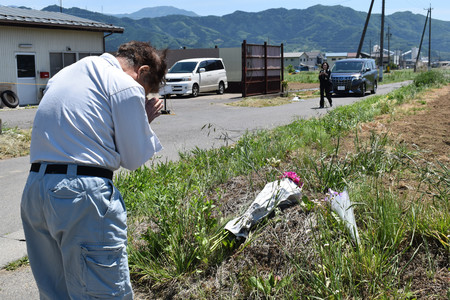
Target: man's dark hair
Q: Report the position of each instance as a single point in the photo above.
(142, 53)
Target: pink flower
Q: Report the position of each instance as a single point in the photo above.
(294, 177)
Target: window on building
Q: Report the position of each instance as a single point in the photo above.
(59, 60)
(56, 63)
(83, 55)
(69, 58)
(25, 66)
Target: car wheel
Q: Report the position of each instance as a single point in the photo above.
(195, 90)
(221, 89)
(374, 89)
(363, 89)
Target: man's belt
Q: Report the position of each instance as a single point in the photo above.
(81, 170)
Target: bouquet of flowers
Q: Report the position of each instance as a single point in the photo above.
(294, 177)
(281, 192)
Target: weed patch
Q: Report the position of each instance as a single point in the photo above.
(178, 247)
(14, 142)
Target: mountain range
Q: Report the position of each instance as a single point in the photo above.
(324, 28)
(157, 11)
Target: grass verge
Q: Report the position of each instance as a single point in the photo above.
(177, 244)
(14, 142)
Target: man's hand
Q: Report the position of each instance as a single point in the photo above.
(153, 108)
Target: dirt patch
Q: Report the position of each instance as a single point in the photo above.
(423, 125)
(295, 86)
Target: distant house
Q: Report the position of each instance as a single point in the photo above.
(35, 45)
(332, 57)
(292, 58)
(311, 59)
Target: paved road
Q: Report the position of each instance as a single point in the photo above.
(179, 131)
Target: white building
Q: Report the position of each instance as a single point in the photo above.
(311, 59)
(35, 45)
(292, 58)
(332, 57)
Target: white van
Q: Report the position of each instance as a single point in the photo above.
(195, 75)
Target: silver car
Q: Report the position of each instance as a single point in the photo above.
(192, 76)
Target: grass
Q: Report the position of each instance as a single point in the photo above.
(261, 102)
(304, 77)
(176, 230)
(398, 76)
(12, 266)
(14, 142)
(273, 100)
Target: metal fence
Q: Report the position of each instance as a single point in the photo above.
(262, 69)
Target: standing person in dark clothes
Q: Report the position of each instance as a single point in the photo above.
(325, 84)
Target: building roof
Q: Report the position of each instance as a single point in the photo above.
(312, 53)
(292, 54)
(336, 54)
(11, 16)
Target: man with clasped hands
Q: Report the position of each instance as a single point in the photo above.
(94, 118)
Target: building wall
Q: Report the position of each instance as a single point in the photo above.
(293, 61)
(41, 42)
(331, 60)
(232, 59)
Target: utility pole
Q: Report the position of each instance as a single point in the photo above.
(381, 41)
(370, 48)
(421, 40)
(361, 41)
(388, 35)
(60, 5)
(429, 41)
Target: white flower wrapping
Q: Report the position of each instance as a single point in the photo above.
(341, 204)
(280, 192)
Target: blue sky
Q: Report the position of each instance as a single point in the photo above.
(441, 8)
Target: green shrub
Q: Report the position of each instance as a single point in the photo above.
(290, 69)
(429, 78)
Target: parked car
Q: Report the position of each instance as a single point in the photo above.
(301, 69)
(354, 75)
(195, 75)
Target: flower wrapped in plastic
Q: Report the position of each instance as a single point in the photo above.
(294, 177)
(341, 204)
(283, 192)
